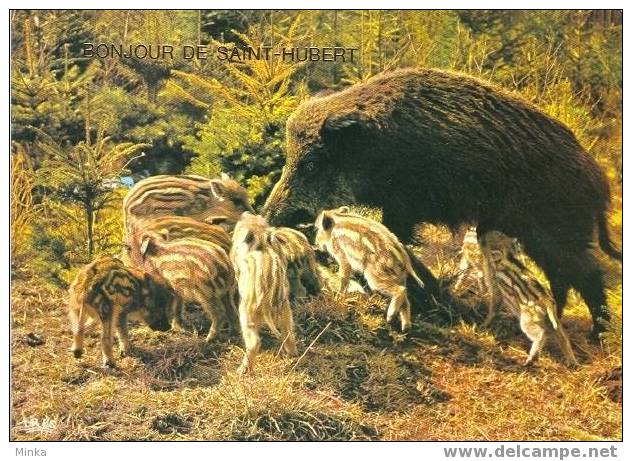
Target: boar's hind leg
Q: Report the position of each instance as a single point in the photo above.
(311, 279)
(562, 337)
(431, 284)
(577, 267)
(589, 282)
(297, 289)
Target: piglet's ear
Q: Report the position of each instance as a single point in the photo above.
(339, 131)
(343, 209)
(250, 238)
(328, 222)
(217, 220)
(218, 190)
(146, 245)
(276, 239)
(224, 177)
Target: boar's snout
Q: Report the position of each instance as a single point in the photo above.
(276, 202)
(290, 217)
(161, 324)
(157, 319)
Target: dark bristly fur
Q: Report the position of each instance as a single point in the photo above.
(441, 147)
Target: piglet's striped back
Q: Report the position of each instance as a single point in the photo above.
(184, 195)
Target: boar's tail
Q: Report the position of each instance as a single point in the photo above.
(604, 239)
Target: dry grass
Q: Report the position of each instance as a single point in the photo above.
(361, 380)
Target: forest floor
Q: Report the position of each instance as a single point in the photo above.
(360, 379)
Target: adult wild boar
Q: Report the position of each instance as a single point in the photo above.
(440, 147)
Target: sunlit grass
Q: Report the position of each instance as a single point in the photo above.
(360, 380)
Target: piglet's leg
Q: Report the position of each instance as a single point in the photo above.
(106, 343)
(489, 276)
(404, 314)
(562, 337)
(177, 306)
(252, 341)
(77, 320)
(123, 336)
(535, 332)
(216, 323)
(463, 269)
(398, 301)
(345, 275)
(210, 306)
(286, 328)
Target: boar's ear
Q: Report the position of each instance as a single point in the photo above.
(218, 190)
(338, 131)
(245, 215)
(496, 255)
(146, 245)
(328, 222)
(343, 209)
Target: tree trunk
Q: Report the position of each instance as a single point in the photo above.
(89, 227)
(335, 75)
